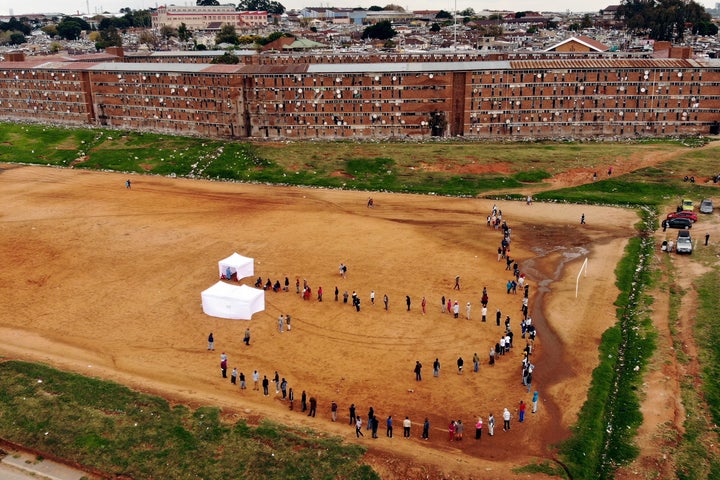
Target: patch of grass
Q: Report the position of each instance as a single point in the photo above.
(532, 176)
(545, 467)
(116, 430)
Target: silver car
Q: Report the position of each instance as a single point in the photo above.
(684, 242)
(706, 206)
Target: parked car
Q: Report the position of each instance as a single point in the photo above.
(683, 223)
(683, 214)
(706, 206)
(684, 242)
(688, 205)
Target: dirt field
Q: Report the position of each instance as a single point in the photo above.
(106, 281)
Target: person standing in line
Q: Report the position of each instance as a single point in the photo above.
(491, 361)
(276, 381)
(128, 184)
(582, 219)
(243, 385)
(297, 285)
(460, 363)
(265, 384)
(535, 401)
(389, 427)
(491, 425)
(345, 296)
(476, 362)
(256, 380)
(498, 316)
(372, 297)
(521, 412)
(287, 322)
(456, 309)
(357, 304)
(386, 301)
(281, 323)
(423, 305)
(418, 371)
(459, 430)
(528, 378)
(352, 413)
(211, 341)
(467, 310)
(303, 401)
(291, 399)
(313, 407)
(426, 429)
(337, 293)
(451, 430)
(500, 253)
(223, 364)
(449, 306)
(506, 420)
(358, 427)
(442, 304)
(319, 294)
(436, 368)
(478, 429)
(457, 282)
(370, 415)
(246, 337)
(406, 427)
(233, 376)
(333, 410)
(407, 301)
(283, 388)
(375, 426)
(484, 314)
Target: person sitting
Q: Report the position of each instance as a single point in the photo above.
(258, 282)
(228, 274)
(276, 287)
(268, 284)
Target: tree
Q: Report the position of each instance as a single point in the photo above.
(206, 3)
(443, 14)
(227, 34)
(381, 31)
(50, 30)
(468, 12)
(183, 33)
(435, 27)
(663, 19)
(574, 27)
(70, 28)
(375, 8)
(166, 31)
(108, 38)
(227, 58)
(586, 21)
(393, 8)
(270, 6)
(17, 38)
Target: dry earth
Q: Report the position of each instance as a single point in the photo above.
(106, 281)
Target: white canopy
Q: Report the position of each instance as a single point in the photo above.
(231, 301)
(236, 263)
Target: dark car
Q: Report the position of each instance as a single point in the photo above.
(679, 223)
(683, 214)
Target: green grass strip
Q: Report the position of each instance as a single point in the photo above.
(113, 429)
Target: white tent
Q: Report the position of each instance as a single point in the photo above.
(230, 301)
(236, 263)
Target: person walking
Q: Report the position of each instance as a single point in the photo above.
(246, 337)
(456, 309)
(418, 371)
(442, 304)
(467, 310)
(406, 427)
(333, 410)
(372, 297)
(582, 219)
(491, 425)
(478, 429)
(211, 339)
(451, 430)
(506, 420)
(281, 323)
(319, 294)
(128, 184)
(707, 239)
(407, 301)
(389, 427)
(426, 429)
(460, 363)
(459, 430)
(386, 301)
(287, 322)
(457, 282)
(358, 427)
(436, 368)
(484, 314)
(423, 305)
(476, 362)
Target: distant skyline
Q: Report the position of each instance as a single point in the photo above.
(99, 6)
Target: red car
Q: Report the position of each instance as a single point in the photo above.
(683, 214)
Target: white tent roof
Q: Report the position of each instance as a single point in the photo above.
(242, 266)
(230, 301)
